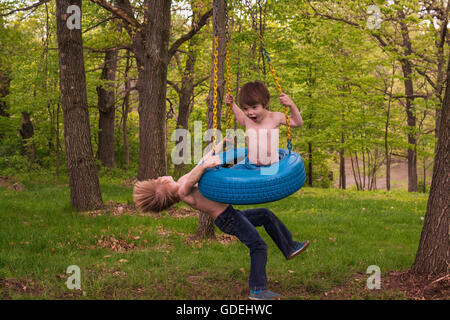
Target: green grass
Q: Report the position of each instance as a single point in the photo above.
(41, 235)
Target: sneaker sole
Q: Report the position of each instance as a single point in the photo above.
(263, 299)
(299, 251)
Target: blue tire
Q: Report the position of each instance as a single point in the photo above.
(251, 184)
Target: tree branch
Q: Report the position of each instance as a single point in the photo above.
(174, 85)
(202, 21)
(117, 11)
(37, 4)
(200, 81)
(118, 47)
(97, 24)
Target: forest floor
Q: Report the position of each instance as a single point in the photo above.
(125, 254)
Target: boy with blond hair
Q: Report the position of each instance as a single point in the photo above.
(161, 193)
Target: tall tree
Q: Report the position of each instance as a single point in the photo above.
(185, 89)
(400, 45)
(4, 74)
(433, 254)
(107, 108)
(205, 227)
(4, 91)
(83, 180)
(150, 45)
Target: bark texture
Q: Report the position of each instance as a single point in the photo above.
(107, 111)
(433, 254)
(83, 180)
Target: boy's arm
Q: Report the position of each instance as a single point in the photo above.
(238, 113)
(188, 181)
(296, 119)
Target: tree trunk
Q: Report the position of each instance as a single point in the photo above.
(186, 93)
(441, 64)
(58, 144)
(125, 111)
(107, 111)
(206, 223)
(410, 112)
(342, 180)
(4, 91)
(27, 132)
(151, 50)
(434, 248)
(387, 154)
(83, 180)
(5, 79)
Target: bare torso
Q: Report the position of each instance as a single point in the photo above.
(197, 201)
(262, 139)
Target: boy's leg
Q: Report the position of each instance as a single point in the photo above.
(276, 229)
(233, 222)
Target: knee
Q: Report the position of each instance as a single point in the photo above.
(258, 246)
(268, 215)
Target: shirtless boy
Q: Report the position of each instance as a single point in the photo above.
(261, 125)
(161, 193)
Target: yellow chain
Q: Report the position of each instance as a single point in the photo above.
(272, 70)
(216, 54)
(227, 57)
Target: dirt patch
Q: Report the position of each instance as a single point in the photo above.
(118, 245)
(21, 287)
(394, 285)
(224, 239)
(115, 209)
(11, 183)
(118, 209)
(420, 287)
(182, 212)
(193, 240)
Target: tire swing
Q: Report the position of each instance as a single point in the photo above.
(251, 184)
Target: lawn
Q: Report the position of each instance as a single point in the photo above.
(123, 254)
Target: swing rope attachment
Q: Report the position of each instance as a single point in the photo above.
(227, 59)
(216, 54)
(277, 82)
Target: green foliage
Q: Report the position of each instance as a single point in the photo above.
(335, 72)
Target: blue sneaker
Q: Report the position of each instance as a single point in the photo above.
(300, 248)
(263, 295)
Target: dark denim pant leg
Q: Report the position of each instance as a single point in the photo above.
(233, 222)
(279, 233)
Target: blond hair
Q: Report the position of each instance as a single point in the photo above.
(153, 195)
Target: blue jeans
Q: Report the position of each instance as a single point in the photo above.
(242, 224)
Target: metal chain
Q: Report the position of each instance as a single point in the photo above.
(272, 70)
(215, 76)
(227, 58)
(216, 54)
